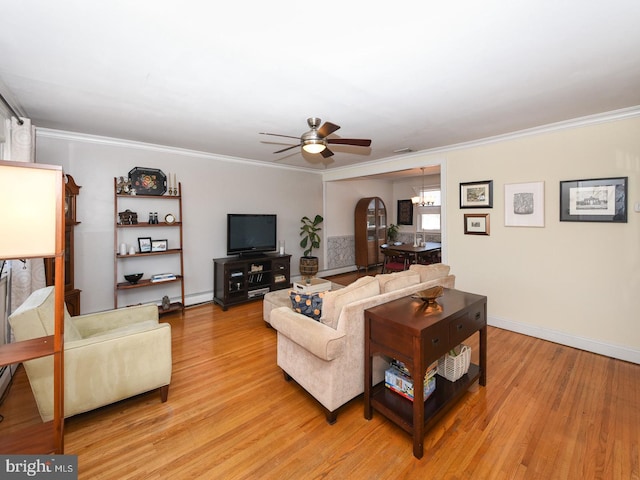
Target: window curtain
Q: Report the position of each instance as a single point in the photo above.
(28, 275)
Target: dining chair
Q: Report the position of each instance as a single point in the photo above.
(394, 261)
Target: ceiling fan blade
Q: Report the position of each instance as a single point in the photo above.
(359, 142)
(277, 135)
(327, 129)
(288, 148)
(326, 153)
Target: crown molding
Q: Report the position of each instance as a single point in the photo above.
(384, 165)
(416, 158)
(151, 147)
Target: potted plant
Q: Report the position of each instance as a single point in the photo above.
(392, 233)
(310, 240)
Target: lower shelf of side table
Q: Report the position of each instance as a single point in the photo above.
(400, 410)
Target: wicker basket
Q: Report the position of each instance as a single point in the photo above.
(452, 368)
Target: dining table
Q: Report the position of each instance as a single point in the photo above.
(414, 251)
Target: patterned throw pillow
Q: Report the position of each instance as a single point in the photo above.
(309, 304)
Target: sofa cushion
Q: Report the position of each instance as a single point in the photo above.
(430, 272)
(334, 300)
(389, 282)
(309, 304)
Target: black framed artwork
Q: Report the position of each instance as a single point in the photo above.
(476, 194)
(594, 200)
(405, 212)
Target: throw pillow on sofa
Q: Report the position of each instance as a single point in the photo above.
(334, 300)
(309, 304)
(390, 282)
(430, 272)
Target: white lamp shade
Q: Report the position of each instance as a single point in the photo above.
(314, 147)
(31, 200)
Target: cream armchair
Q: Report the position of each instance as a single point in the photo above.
(108, 356)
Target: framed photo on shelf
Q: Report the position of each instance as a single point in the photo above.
(144, 244)
(476, 224)
(476, 194)
(594, 200)
(524, 204)
(159, 245)
(405, 212)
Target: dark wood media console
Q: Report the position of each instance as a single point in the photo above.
(244, 278)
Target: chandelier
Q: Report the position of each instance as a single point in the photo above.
(423, 200)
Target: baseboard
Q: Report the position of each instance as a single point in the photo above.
(588, 344)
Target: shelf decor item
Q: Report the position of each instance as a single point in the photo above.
(144, 243)
(159, 245)
(594, 200)
(148, 181)
(133, 278)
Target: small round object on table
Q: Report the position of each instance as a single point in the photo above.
(170, 218)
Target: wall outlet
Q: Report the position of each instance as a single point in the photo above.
(636, 206)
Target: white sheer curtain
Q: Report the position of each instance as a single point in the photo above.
(29, 275)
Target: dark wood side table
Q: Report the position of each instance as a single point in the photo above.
(409, 331)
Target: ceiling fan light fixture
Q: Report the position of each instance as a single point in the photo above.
(314, 146)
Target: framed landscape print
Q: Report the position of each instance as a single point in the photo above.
(476, 194)
(594, 200)
(524, 204)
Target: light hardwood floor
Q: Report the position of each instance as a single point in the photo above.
(547, 412)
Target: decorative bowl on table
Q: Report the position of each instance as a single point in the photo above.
(133, 278)
(429, 295)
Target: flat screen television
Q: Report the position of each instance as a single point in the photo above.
(251, 233)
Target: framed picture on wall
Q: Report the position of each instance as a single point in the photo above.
(524, 204)
(476, 224)
(405, 212)
(595, 200)
(476, 194)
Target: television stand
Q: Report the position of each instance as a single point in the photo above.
(249, 277)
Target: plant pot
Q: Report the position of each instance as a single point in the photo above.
(308, 266)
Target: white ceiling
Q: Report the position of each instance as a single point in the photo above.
(208, 76)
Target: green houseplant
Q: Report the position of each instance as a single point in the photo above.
(392, 233)
(310, 240)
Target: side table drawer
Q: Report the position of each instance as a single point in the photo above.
(466, 324)
(436, 342)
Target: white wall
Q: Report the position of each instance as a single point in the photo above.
(212, 187)
(573, 283)
(577, 281)
(343, 196)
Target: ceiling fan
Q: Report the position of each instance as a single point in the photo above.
(316, 141)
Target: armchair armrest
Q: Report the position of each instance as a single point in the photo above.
(323, 341)
(95, 323)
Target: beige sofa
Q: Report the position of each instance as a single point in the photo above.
(108, 356)
(326, 357)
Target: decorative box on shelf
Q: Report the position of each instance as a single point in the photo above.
(314, 285)
(397, 379)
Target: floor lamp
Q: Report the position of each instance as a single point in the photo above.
(33, 227)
